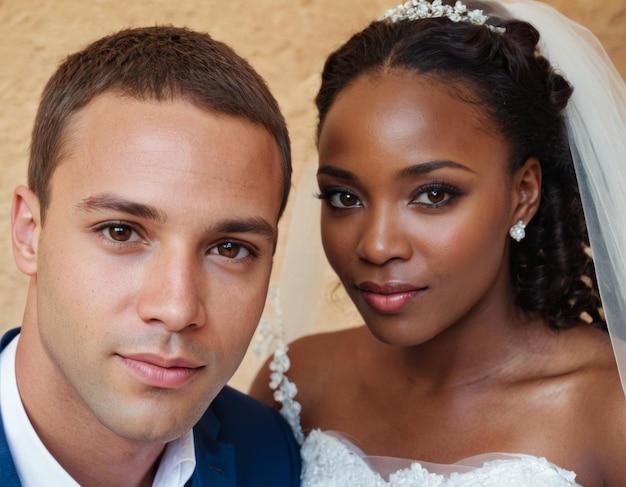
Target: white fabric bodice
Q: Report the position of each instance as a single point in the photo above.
(329, 459)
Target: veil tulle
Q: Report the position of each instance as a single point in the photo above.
(596, 122)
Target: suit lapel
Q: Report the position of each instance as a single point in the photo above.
(215, 461)
(8, 474)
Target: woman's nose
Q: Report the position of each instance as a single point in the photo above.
(383, 238)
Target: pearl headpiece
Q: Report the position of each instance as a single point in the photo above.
(423, 9)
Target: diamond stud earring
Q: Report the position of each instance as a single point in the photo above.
(518, 231)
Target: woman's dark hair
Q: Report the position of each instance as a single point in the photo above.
(523, 98)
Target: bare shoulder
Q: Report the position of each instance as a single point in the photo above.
(609, 420)
(315, 360)
(601, 406)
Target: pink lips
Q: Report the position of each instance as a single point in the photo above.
(156, 371)
(388, 298)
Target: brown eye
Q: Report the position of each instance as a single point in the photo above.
(120, 233)
(436, 195)
(230, 250)
(342, 199)
(348, 199)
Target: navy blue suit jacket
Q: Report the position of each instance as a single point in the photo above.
(238, 442)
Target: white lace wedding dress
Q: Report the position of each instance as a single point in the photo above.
(329, 459)
(596, 121)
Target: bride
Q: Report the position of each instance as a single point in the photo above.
(458, 148)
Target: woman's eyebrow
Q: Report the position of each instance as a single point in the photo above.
(336, 172)
(415, 170)
(426, 167)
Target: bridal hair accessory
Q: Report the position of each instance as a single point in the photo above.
(518, 231)
(423, 9)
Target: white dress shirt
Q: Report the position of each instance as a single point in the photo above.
(33, 461)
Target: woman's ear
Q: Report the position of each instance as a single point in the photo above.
(25, 229)
(527, 191)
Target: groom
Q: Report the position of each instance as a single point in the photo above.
(159, 168)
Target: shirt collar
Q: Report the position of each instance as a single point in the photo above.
(178, 462)
(34, 462)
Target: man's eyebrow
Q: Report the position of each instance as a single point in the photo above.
(108, 201)
(246, 225)
(426, 167)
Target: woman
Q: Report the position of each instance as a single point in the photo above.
(452, 214)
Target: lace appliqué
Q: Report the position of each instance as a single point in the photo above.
(271, 333)
(328, 460)
(285, 391)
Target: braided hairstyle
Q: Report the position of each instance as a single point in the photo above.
(523, 98)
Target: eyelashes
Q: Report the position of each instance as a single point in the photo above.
(339, 197)
(119, 234)
(436, 194)
(431, 196)
(123, 237)
(233, 250)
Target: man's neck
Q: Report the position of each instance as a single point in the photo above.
(92, 454)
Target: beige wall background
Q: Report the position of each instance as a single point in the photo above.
(286, 41)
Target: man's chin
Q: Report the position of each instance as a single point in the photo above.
(157, 422)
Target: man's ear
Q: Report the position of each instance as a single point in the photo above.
(527, 191)
(25, 229)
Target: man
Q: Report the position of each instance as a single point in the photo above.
(160, 165)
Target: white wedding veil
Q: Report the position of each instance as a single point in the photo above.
(596, 123)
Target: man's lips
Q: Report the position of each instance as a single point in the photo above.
(389, 297)
(156, 371)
